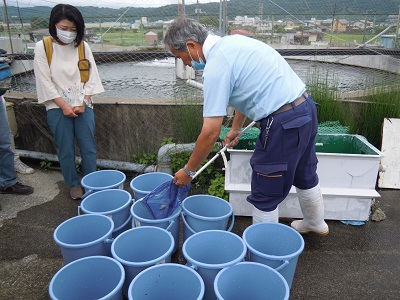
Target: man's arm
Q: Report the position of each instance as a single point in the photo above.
(204, 144)
(237, 124)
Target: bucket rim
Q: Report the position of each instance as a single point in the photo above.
(87, 211)
(124, 224)
(103, 187)
(141, 176)
(79, 261)
(145, 263)
(170, 265)
(175, 214)
(88, 244)
(197, 263)
(197, 216)
(274, 257)
(220, 273)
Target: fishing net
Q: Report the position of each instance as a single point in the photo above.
(165, 199)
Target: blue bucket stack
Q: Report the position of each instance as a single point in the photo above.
(114, 249)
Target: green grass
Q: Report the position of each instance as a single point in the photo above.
(346, 37)
(382, 102)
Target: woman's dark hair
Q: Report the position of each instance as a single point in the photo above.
(71, 13)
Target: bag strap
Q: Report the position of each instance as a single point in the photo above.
(81, 51)
(48, 48)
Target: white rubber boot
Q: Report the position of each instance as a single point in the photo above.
(260, 216)
(312, 207)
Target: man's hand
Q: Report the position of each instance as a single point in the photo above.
(231, 138)
(181, 178)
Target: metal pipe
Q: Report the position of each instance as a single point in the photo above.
(165, 152)
(102, 163)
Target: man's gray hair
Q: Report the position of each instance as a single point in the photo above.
(181, 30)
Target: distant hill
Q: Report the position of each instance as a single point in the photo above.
(306, 8)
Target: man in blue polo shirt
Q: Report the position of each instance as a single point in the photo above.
(257, 81)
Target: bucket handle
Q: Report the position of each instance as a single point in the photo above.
(284, 264)
(137, 224)
(171, 223)
(108, 241)
(79, 210)
(188, 264)
(87, 194)
(193, 232)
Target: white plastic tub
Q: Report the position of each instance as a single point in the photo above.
(348, 168)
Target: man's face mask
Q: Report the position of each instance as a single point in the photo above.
(196, 65)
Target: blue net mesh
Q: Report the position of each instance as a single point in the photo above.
(165, 199)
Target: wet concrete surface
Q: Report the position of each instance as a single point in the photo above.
(352, 262)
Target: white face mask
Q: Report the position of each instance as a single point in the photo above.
(65, 36)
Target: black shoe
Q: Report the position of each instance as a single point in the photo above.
(18, 189)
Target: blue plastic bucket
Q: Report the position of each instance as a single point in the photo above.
(124, 227)
(112, 203)
(103, 180)
(85, 235)
(205, 212)
(275, 245)
(210, 251)
(93, 277)
(167, 281)
(143, 184)
(250, 280)
(142, 247)
(142, 217)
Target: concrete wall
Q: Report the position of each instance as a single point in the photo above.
(122, 128)
(379, 62)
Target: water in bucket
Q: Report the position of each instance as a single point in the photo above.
(206, 212)
(113, 203)
(84, 235)
(143, 184)
(275, 245)
(167, 281)
(249, 280)
(140, 248)
(210, 251)
(93, 277)
(102, 180)
(142, 217)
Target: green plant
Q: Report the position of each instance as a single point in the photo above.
(145, 159)
(201, 183)
(45, 164)
(217, 187)
(382, 102)
(329, 107)
(188, 118)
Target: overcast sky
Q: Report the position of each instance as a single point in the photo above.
(102, 3)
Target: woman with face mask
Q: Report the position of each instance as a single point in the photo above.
(67, 99)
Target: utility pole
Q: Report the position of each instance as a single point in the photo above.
(365, 26)
(333, 20)
(8, 26)
(222, 17)
(260, 15)
(181, 9)
(19, 14)
(396, 44)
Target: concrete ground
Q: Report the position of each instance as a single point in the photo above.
(352, 262)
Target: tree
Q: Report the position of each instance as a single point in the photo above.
(38, 22)
(209, 21)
